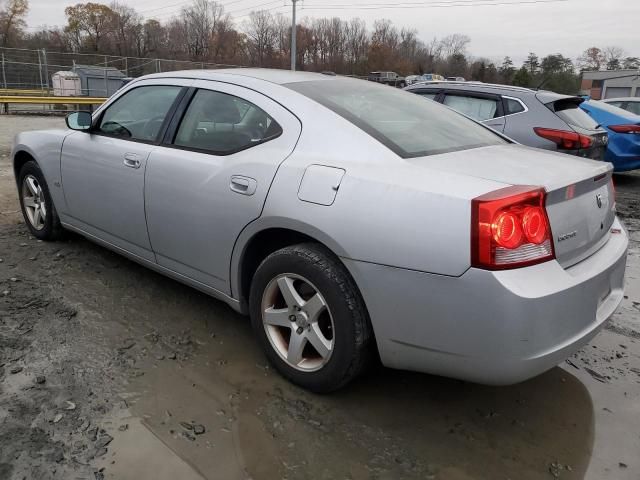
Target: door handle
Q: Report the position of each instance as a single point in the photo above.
(243, 185)
(132, 160)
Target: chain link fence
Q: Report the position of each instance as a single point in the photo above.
(25, 69)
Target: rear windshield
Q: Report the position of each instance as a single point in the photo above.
(408, 124)
(611, 109)
(569, 111)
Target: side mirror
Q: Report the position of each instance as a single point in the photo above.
(79, 121)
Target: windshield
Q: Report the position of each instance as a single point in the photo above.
(408, 124)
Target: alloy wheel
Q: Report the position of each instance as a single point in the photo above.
(33, 201)
(298, 322)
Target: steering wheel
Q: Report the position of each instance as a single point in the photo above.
(115, 128)
(152, 127)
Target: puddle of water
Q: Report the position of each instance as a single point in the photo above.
(138, 454)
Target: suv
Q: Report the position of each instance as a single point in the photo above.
(539, 119)
(388, 78)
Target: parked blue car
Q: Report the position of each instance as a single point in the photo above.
(624, 133)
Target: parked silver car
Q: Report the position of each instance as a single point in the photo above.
(538, 119)
(347, 218)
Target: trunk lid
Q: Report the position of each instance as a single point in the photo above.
(580, 197)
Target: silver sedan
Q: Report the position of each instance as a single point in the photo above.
(348, 219)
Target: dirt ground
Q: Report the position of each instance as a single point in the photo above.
(108, 370)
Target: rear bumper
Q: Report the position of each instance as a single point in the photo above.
(492, 327)
(623, 152)
(625, 163)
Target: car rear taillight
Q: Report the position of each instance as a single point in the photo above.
(626, 129)
(566, 140)
(510, 228)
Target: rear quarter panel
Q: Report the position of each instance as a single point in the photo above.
(387, 210)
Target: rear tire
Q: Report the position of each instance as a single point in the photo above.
(309, 318)
(37, 206)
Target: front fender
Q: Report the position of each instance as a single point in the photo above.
(45, 148)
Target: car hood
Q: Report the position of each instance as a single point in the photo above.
(516, 165)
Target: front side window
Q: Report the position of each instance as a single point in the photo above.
(479, 109)
(223, 124)
(409, 127)
(139, 113)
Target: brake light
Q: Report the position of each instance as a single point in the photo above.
(510, 228)
(565, 140)
(634, 129)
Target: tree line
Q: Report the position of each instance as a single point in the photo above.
(204, 32)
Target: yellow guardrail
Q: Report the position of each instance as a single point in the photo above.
(32, 99)
(25, 91)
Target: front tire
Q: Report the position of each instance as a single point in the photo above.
(35, 201)
(310, 318)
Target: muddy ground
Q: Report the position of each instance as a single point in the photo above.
(108, 370)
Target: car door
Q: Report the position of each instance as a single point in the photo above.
(211, 176)
(485, 108)
(103, 169)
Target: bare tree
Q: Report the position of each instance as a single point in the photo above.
(613, 57)
(591, 59)
(261, 37)
(12, 21)
(455, 44)
(357, 43)
(127, 30)
(200, 22)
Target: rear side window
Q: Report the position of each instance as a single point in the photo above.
(224, 124)
(409, 127)
(513, 106)
(477, 108)
(570, 112)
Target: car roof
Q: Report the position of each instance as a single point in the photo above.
(544, 96)
(478, 86)
(621, 99)
(276, 76)
(612, 110)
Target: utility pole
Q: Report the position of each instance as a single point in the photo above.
(293, 37)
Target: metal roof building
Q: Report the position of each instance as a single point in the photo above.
(611, 84)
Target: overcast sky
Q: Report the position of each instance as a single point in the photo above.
(567, 27)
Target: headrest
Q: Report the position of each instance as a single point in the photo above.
(220, 108)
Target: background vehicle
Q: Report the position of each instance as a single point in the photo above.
(431, 77)
(455, 79)
(624, 133)
(388, 78)
(630, 104)
(225, 180)
(411, 79)
(538, 119)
